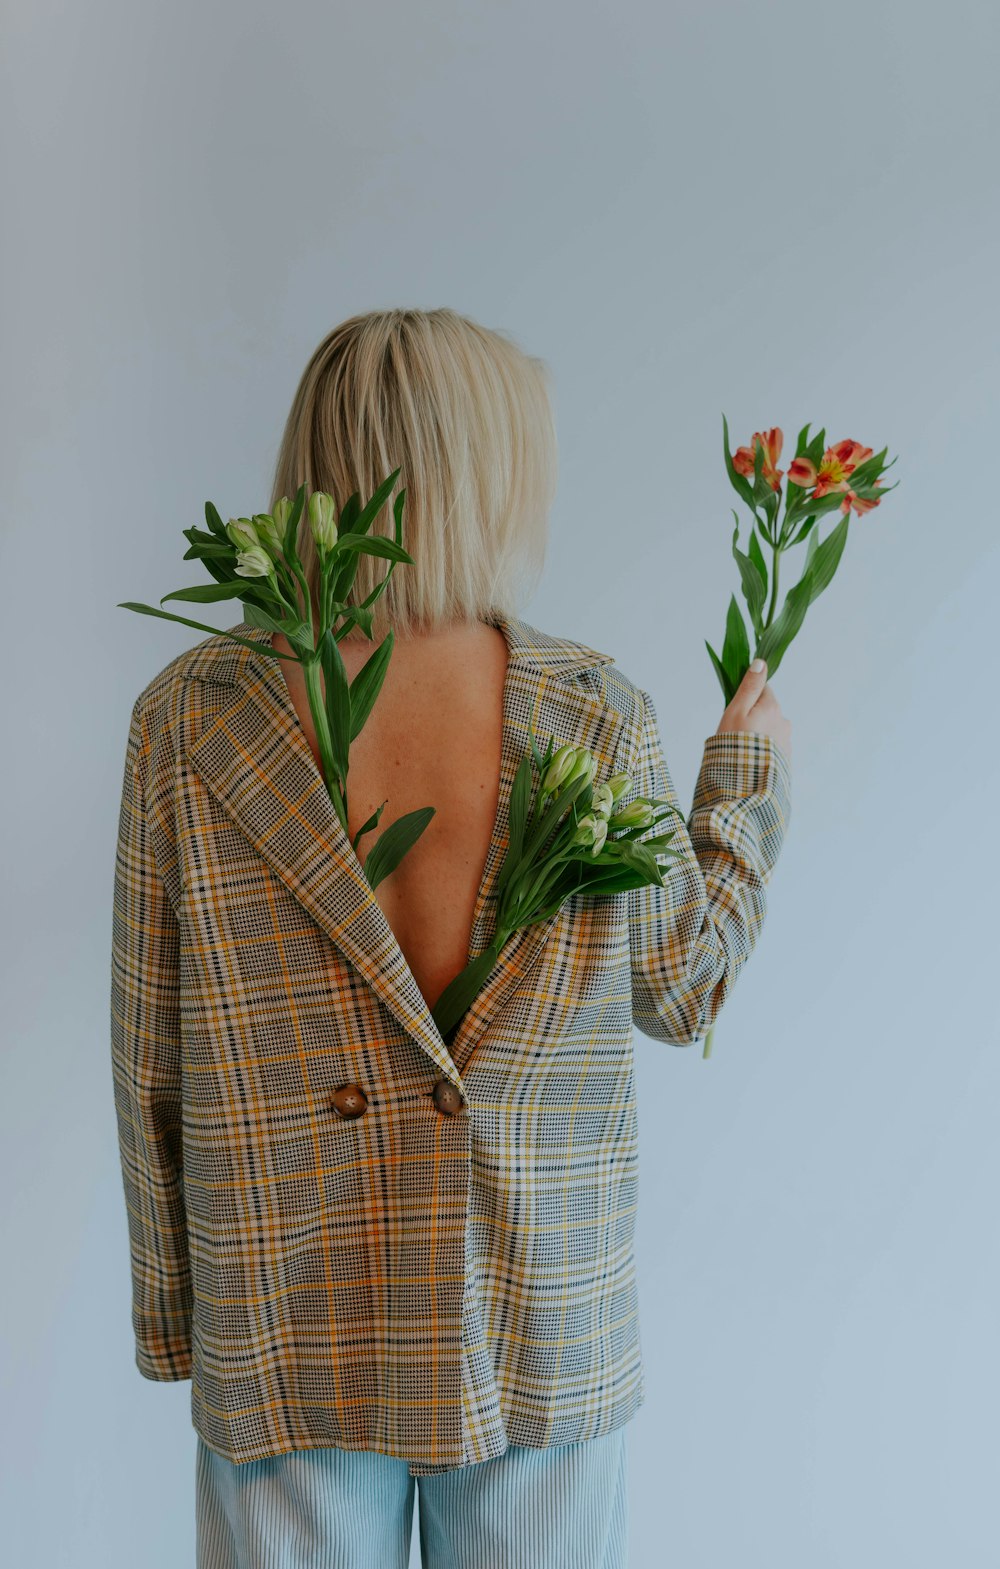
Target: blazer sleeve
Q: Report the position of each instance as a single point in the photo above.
(690, 938)
(145, 1056)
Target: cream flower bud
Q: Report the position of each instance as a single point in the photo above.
(591, 831)
(638, 814)
(268, 534)
(567, 765)
(618, 784)
(242, 534)
(254, 562)
(602, 800)
(280, 511)
(559, 765)
(321, 520)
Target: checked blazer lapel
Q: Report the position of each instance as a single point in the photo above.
(254, 758)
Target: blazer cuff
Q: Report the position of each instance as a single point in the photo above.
(741, 763)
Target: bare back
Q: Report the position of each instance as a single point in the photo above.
(433, 738)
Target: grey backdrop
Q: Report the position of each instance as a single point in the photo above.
(786, 213)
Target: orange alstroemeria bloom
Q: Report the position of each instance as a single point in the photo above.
(771, 441)
(836, 465)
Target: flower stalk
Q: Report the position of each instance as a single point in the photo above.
(820, 479)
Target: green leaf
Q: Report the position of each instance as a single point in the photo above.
(728, 691)
(374, 506)
(222, 571)
(360, 616)
(216, 524)
(737, 480)
(753, 579)
(376, 545)
(337, 700)
(292, 527)
(459, 994)
(199, 536)
(596, 881)
(397, 515)
(350, 514)
(868, 471)
(367, 683)
(520, 802)
(736, 648)
(217, 553)
(208, 593)
(783, 628)
(803, 531)
(392, 845)
(165, 615)
(343, 566)
(822, 560)
(367, 826)
(831, 502)
(260, 618)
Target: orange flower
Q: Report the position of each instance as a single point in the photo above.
(743, 457)
(858, 502)
(836, 464)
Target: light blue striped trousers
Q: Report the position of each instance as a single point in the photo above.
(565, 1507)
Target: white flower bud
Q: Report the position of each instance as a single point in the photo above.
(591, 831)
(254, 562)
(638, 814)
(321, 520)
(602, 799)
(568, 764)
(242, 534)
(268, 534)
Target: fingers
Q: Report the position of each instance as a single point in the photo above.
(750, 689)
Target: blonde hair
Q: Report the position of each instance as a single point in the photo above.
(465, 415)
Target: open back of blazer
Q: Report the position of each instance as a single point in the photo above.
(431, 1284)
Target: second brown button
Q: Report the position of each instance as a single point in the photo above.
(447, 1097)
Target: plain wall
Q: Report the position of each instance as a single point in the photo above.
(785, 213)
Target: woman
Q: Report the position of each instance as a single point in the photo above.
(386, 1261)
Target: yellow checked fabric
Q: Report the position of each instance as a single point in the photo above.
(431, 1283)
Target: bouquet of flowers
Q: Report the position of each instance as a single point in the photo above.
(820, 479)
(255, 560)
(565, 838)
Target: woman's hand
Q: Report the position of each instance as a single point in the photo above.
(755, 707)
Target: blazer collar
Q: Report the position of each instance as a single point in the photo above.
(254, 758)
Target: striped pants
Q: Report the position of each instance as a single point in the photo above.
(565, 1507)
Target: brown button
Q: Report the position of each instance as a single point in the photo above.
(447, 1097)
(349, 1100)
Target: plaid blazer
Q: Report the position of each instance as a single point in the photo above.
(344, 1232)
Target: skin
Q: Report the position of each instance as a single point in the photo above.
(433, 738)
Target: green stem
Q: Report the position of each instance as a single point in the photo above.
(774, 585)
(313, 673)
